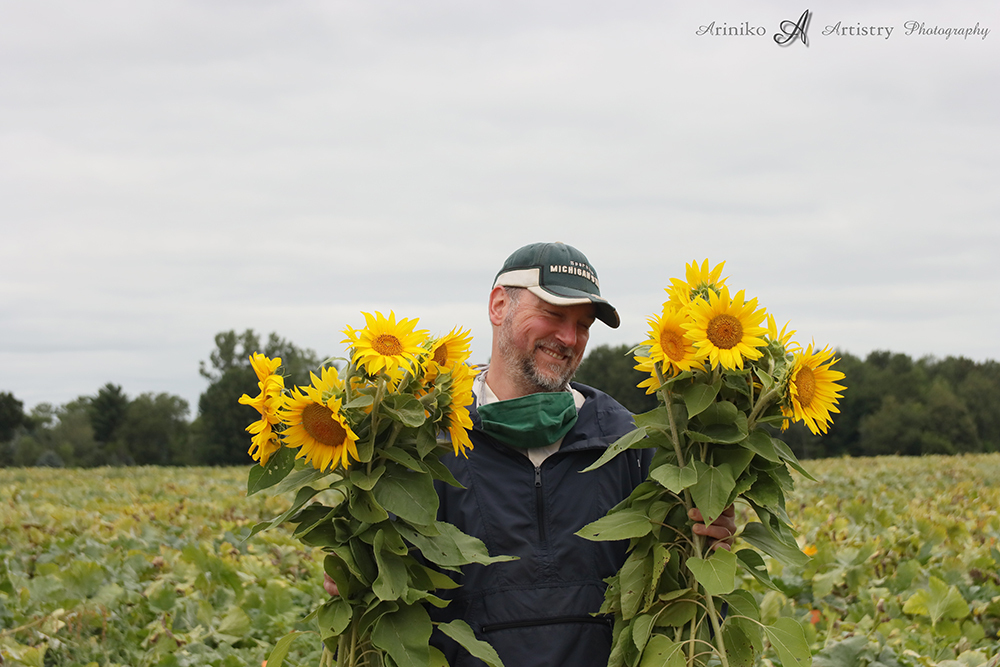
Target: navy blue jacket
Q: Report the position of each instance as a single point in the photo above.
(537, 610)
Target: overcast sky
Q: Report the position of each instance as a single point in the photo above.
(171, 170)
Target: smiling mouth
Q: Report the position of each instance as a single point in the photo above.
(554, 354)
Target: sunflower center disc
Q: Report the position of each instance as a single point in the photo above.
(725, 331)
(318, 422)
(441, 354)
(672, 344)
(805, 383)
(387, 345)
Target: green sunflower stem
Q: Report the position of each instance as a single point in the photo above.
(762, 402)
(717, 629)
(698, 540)
(379, 395)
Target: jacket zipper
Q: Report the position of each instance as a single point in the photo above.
(600, 620)
(539, 503)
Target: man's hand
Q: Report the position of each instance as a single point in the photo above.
(330, 586)
(721, 530)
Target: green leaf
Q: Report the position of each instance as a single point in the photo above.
(617, 526)
(717, 573)
(765, 491)
(725, 434)
(661, 556)
(662, 651)
(374, 613)
(301, 477)
(450, 547)
(736, 458)
(844, 653)
(939, 601)
(760, 443)
(235, 624)
(303, 496)
(711, 493)
(789, 641)
(765, 540)
(404, 634)
(440, 471)
(362, 401)
(407, 494)
(82, 578)
(334, 617)
(766, 381)
(788, 457)
(404, 409)
(680, 611)
(655, 419)
(278, 466)
(642, 626)
(616, 448)
(723, 412)
(401, 456)
(365, 509)
(674, 478)
(392, 577)
(280, 650)
(740, 650)
(699, 396)
(743, 612)
(461, 632)
(632, 580)
(334, 566)
(364, 480)
(755, 565)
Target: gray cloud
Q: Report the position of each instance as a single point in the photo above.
(179, 169)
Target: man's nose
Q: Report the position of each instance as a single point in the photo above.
(566, 333)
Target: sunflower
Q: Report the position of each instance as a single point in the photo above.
(386, 344)
(726, 330)
(670, 345)
(700, 281)
(782, 338)
(813, 391)
(450, 349)
(456, 414)
(314, 423)
(265, 441)
(647, 365)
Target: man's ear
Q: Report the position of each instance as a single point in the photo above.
(499, 302)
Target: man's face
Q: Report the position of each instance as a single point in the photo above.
(543, 344)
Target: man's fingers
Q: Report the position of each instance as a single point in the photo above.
(330, 586)
(721, 530)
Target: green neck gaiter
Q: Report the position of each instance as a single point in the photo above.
(535, 420)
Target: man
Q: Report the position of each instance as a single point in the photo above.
(525, 496)
(534, 432)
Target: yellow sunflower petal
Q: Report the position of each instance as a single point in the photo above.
(386, 344)
(457, 421)
(726, 329)
(669, 343)
(318, 428)
(268, 403)
(784, 337)
(813, 391)
(699, 281)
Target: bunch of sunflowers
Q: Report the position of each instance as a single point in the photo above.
(728, 381)
(359, 448)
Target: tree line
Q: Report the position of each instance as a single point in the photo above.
(109, 428)
(893, 405)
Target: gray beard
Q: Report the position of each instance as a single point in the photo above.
(524, 369)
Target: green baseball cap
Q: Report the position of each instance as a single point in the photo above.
(558, 274)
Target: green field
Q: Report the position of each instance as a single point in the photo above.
(146, 566)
